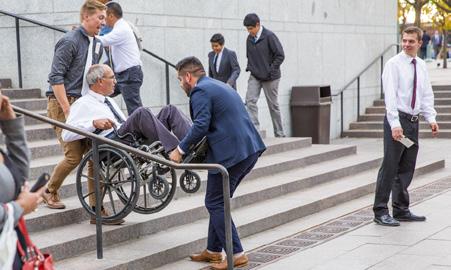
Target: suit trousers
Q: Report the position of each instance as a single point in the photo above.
(73, 151)
(270, 88)
(129, 83)
(169, 126)
(396, 172)
(214, 202)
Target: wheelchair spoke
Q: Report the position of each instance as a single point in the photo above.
(87, 195)
(112, 201)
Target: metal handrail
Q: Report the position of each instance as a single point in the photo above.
(97, 139)
(357, 79)
(62, 30)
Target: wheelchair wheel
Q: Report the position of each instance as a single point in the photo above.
(162, 190)
(118, 178)
(189, 181)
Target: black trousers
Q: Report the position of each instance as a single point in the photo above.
(128, 84)
(397, 169)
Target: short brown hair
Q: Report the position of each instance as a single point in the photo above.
(191, 65)
(414, 30)
(90, 7)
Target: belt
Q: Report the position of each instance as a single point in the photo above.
(69, 97)
(411, 118)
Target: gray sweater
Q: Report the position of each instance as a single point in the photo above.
(17, 152)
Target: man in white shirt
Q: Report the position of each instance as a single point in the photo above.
(125, 55)
(408, 93)
(98, 113)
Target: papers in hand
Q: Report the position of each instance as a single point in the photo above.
(406, 141)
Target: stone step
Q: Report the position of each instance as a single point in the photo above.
(189, 209)
(371, 133)
(313, 222)
(22, 93)
(437, 101)
(42, 148)
(445, 87)
(32, 121)
(379, 125)
(380, 109)
(380, 117)
(156, 249)
(274, 147)
(5, 83)
(442, 94)
(267, 165)
(37, 132)
(32, 104)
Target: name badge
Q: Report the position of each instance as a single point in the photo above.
(97, 50)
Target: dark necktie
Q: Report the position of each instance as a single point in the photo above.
(215, 61)
(414, 94)
(116, 114)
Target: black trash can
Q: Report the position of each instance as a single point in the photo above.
(310, 112)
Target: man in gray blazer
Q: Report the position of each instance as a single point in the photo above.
(223, 63)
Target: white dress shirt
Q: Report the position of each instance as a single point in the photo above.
(259, 33)
(85, 110)
(397, 80)
(124, 49)
(218, 61)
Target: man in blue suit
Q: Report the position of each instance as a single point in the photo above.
(222, 62)
(219, 114)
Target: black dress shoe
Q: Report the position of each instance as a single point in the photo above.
(409, 217)
(386, 220)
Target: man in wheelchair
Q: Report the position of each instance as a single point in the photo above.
(96, 112)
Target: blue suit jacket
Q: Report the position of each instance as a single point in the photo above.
(229, 69)
(218, 112)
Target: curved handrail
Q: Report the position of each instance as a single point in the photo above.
(97, 138)
(365, 69)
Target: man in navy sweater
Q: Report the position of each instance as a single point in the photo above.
(264, 57)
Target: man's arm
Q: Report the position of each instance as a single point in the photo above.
(201, 106)
(390, 78)
(113, 38)
(235, 68)
(64, 54)
(427, 104)
(277, 51)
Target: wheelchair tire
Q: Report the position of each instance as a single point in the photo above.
(158, 187)
(119, 180)
(147, 203)
(189, 181)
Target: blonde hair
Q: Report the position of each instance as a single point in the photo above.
(90, 7)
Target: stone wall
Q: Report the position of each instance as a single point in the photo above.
(325, 42)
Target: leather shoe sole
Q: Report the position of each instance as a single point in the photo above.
(107, 222)
(205, 256)
(237, 262)
(411, 218)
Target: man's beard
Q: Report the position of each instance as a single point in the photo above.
(187, 88)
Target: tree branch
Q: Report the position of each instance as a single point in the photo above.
(441, 6)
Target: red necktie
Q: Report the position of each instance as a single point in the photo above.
(414, 95)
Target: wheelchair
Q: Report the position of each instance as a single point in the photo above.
(131, 183)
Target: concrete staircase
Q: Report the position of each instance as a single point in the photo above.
(292, 180)
(370, 124)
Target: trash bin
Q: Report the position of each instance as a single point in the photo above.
(310, 112)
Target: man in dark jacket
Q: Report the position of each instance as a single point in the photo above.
(264, 57)
(222, 62)
(218, 113)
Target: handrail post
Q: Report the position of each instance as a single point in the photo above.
(382, 71)
(95, 161)
(168, 98)
(358, 98)
(19, 60)
(227, 218)
(342, 118)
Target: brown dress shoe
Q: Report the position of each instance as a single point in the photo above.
(52, 200)
(206, 256)
(237, 262)
(105, 213)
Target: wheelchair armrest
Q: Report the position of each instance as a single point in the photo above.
(197, 152)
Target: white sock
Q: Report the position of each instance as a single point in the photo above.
(239, 254)
(212, 252)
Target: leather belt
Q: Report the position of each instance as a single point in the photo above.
(411, 118)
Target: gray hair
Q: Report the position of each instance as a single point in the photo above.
(94, 74)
